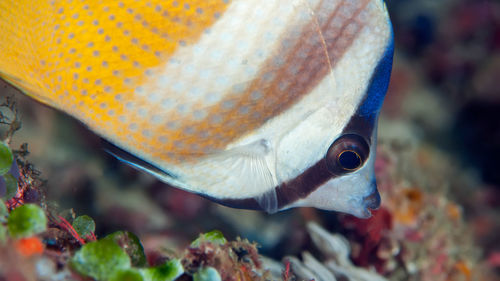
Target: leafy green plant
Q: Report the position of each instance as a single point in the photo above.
(214, 236)
(4, 213)
(10, 186)
(131, 244)
(168, 271)
(130, 274)
(106, 260)
(100, 259)
(8, 181)
(3, 234)
(84, 225)
(6, 158)
(26, 220)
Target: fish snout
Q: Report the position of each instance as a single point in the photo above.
(373, 200)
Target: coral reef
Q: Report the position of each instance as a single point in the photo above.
(336, 265)
(418, 234)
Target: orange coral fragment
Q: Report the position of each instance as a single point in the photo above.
(464, 269)
(29, 246)
(409, 207)
(454, 211)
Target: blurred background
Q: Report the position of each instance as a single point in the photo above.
(437, 164)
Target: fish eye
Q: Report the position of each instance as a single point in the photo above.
(349, 159)
(347, 154)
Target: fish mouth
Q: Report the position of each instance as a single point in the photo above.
(370, 202)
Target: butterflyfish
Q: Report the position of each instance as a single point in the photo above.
(257, 104)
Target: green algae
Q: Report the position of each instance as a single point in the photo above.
(214, 236)
(130, 274)
(6, 158)
(84, 225)
(100, 260)
(168, 271)
(10, 186)
(132, 246)
(26, 220)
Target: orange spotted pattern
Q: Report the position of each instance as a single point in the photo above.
(88, 57)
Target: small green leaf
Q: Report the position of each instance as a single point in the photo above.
(6, 158)
(3, 234)
(207, 274)
(214, 236)
(130, 274)
(100, 259)
(4, 213)
(10, 186)
(26, 220)
(166, 272)
(132, 246)
(84, 225)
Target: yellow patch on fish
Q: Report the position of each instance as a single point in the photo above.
(88, 57)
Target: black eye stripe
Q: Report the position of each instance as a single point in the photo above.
(310, 179)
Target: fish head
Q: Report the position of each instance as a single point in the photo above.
(344, 180)
(350, 186)
(325, 160)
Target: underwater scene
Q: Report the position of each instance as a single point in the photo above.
(82, 200)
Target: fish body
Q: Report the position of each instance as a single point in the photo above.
(260, 104)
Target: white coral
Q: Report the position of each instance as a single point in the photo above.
(336, 250)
